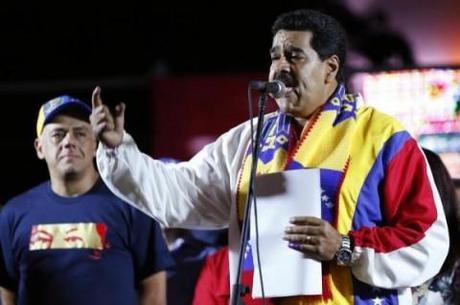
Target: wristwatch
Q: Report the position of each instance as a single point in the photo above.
(344, 255)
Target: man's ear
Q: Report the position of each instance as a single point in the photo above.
(39, 149)
(332, 68)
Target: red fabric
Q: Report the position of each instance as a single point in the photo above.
(409, 211)
(213, 285)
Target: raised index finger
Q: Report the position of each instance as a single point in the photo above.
(96, 100)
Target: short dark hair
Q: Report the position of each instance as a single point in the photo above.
(328, 35)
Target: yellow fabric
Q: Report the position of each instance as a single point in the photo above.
(359, 167)
(40, 121)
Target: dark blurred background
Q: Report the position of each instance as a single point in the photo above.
(174, 64)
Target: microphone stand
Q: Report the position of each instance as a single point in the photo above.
(239, 290)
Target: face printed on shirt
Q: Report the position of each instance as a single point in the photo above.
(68, 236)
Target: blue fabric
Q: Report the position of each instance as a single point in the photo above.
(133, 249)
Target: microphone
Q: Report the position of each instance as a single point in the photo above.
(276, 88)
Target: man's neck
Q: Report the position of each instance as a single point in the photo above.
(74, 185)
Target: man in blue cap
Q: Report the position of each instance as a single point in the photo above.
(71, 241)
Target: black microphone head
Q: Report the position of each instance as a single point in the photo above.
(275, 88)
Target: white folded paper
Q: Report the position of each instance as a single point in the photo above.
(280, 196)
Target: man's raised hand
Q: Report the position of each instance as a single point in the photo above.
(107, 127)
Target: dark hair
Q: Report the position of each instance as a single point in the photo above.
(328, 36)
(446, 189)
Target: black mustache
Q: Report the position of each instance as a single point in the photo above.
(287, 79)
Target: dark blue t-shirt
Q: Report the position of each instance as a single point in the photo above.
(92, 249)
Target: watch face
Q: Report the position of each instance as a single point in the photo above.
(344, 256)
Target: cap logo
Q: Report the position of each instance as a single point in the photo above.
(53, 104)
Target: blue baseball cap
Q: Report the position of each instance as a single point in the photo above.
(49, 110)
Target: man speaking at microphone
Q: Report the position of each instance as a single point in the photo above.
(382, 229)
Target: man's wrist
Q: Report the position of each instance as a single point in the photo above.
(347, 254)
